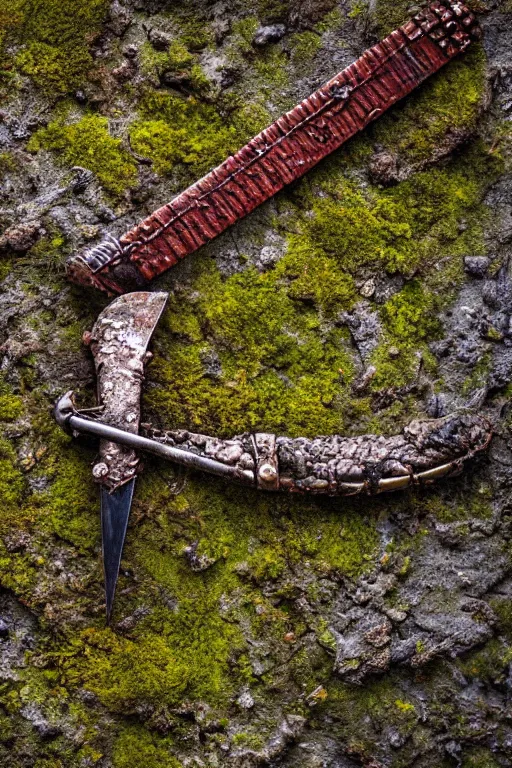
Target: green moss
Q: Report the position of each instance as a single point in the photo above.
(502, 144)
(172, 130)
(304, 47)
(56, 38)
(490, 663)
(503, 609)
(250, 740)
(409, 315)
(123, 673)
(315, 277)
(18, 572)
(333, 20)
(7, 162)
(195, 649)
(479, 376)
(243, 32)
(72, 500)
(479, 758)
(357, 9)
(11, 20)
(88, 143)
(280, 369)
(11, 405)
(461, 506)
(47, 256)
(135, 747)
(446, 106)
(389, 15)
(270, 66)
(196, 33)
(378, 703)
(273, 10)
(11, 480)
(178, 61)
(361, 231)
(410, 322)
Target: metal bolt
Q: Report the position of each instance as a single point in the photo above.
(267, 473)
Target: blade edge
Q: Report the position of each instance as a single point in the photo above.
(115, 513)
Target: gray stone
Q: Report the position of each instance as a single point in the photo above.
(476, 265)
(270, 34)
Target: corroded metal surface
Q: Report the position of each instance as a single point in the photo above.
(281, 153)
(119, 342)
(335, 465)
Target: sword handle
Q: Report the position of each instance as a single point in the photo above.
(425, 451)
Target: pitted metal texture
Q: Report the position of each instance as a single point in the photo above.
(336, 465)
(119, 342)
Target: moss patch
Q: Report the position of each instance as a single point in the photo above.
(88, 143)
(11, 405)
(136, 748)
(304, 47)
(280, 369)
(174, 131)
(435, 117)
(191, 646)
(56, 37)
(177, 61)
(11, 19)
(11, 480)
(388, 15)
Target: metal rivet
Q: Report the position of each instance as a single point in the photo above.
(267, 472)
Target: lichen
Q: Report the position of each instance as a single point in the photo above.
(88, 143)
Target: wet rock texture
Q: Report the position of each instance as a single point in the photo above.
(255, 629)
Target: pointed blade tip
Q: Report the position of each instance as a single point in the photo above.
(115, 512)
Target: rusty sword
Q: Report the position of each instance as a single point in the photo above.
(281, 153)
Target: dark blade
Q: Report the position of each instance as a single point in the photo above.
(115, 511)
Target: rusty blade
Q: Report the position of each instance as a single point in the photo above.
(281, 153)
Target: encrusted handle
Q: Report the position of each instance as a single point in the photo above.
(425, 451)
(119, 342)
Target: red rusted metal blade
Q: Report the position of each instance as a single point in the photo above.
(283, 152)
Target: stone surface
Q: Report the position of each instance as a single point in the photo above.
(255, 629)
(270, 34)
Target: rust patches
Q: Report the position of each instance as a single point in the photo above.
(282, 152)
(119, 342)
